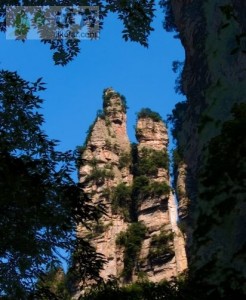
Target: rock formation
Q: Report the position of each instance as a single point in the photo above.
(214, 81)
(101, 172)
(134, 184)
(209, 169)
(163, 258)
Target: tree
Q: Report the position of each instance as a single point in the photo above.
(148, 113)
(35, 179)
(54, 283)
(135, 15)
(40, 203)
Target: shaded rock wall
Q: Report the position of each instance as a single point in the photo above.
(214, 82)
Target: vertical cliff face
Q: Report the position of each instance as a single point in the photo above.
(214, 81)
(153, 209)
(162, 255)
(101, 172)
(139, 235)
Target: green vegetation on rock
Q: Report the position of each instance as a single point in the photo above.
(97, 228)
(111, 94)
(99, 175)
(158, 189)
(160, 248)
(144, 188)
(150, 161)
(131, 240)
(148, 113)
(124, 160)
(121, 200)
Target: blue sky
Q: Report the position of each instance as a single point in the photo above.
(74, 92)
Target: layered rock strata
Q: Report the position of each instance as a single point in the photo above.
(108, 168)
(158, 211)
(100, 173)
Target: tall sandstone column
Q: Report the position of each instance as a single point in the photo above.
(163, 252)
(100, 173)
(107, 164)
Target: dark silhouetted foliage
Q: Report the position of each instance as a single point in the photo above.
(136, 17)
(178, 67)
(177, 117)
(181, 288)
(169, 22)
(40, 203)
(53, 285)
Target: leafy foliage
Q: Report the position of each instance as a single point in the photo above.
(79, 153)
(176, 289)
(178, 67)
(180, 288)
(121, 200)
(80, 270)
(160, 249)
(134, 157)
(131, 240)
(89, 132)
(100, 174)
(53, 284)
(135, 15)
(148, 113)
(126, 199)
(204, 120)
(158, 189)
(139, 188)
(150, 161)
(93, 162)
(169, 22)
(40, 203)
(144, 188)
(124, 160)
(96, 229)
(177, 159)
(109, 94)
(177, 117)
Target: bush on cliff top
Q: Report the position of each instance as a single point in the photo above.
(148, 113)
(109, 95)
